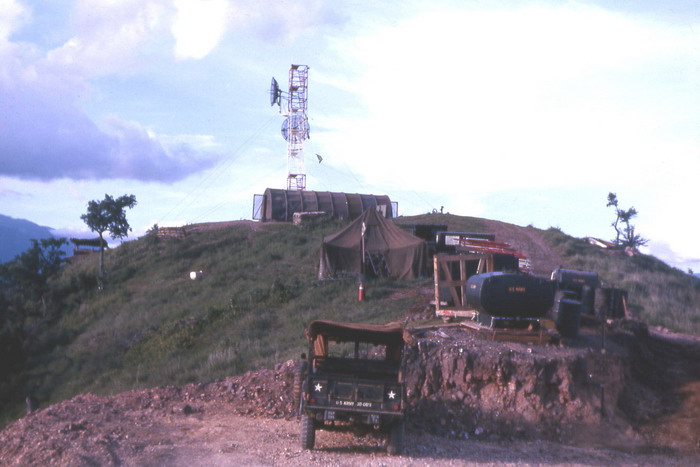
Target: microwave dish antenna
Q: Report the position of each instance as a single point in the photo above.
(275, 93)
(295, 128)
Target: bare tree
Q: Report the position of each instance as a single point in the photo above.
(624, 231)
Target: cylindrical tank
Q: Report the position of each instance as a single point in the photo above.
(510, 295)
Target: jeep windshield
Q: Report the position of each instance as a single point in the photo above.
(357, 350)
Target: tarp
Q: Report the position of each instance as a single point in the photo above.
(402, 255)
(391, 335)
(374, 333)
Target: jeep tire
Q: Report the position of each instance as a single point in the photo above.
(396, 437)
(299, 377)
(308, 432)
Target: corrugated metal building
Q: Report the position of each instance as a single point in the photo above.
(280, 205)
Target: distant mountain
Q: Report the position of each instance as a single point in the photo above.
(16, 235)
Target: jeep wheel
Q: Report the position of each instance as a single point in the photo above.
(308, 432)
(299, 377)
(396, 435)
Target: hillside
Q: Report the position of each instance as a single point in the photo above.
(151, 325)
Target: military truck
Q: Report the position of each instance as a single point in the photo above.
(353, 380)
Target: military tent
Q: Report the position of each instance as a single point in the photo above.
(389, 250)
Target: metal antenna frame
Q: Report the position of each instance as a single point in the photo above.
(297, 102)
(295, 128)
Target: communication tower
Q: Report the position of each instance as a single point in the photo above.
(295, 128)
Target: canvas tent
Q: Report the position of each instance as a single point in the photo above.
(389, 250)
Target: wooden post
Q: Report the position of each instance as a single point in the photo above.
(463, 281)
(436, 278)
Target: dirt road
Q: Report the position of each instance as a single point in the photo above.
(223, 440)
(127, 431)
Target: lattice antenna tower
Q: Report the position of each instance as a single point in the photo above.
(295, 128)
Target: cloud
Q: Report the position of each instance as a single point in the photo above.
(44, 133)
(664, 251)
(111, 37)
(284, 22)
(45, 136)
(137, 154)
(9, 194)
(525, 92)
(199, 26)
(11, 16)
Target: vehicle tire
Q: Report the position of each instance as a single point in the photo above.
(396, 437)
(299, 376)
(308, 432)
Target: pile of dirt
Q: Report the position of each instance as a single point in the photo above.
(99, 430)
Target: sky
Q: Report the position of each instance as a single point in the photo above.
(528, 112)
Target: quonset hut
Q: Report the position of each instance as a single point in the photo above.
(280, 205)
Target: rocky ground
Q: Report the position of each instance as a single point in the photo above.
(473, 402)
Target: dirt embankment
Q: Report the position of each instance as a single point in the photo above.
(637, 393)
(464, 386)
(472, 401)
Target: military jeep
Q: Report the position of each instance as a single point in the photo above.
(353, 380)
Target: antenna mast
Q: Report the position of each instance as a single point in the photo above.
(295, 128)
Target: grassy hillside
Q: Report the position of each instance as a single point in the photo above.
(151, 325)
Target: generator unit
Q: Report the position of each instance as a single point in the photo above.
(509, 299)
(574, 297)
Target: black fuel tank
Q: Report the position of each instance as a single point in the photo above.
(510, 295)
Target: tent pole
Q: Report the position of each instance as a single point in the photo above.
(361, 290)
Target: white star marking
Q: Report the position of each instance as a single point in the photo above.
(392, 394)
(318, 387)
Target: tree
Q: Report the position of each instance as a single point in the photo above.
(29, 272)
(24, 286)
(624, 234)
(108, 216)
(24, 280)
